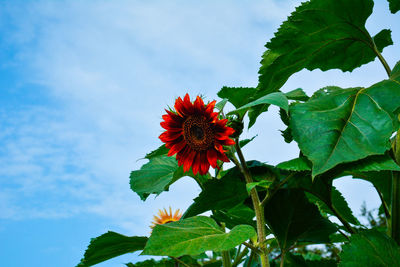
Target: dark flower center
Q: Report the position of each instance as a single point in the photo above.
(198, 133)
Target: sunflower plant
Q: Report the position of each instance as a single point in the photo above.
(255, 214)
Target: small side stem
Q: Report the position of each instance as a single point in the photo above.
(240, 257)
(226, 259)
(268, 196)
(381, 59)
(282, 259)
(342, 220)
(179, 261)
(259, 211)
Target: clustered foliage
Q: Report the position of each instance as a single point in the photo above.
(279, 215)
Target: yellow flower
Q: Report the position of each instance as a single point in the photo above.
(165, 217)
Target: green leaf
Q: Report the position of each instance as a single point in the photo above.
(154, 177)
(110, 245)
(339, 203)
(153, 263)
(320, 34)
(238, 96)
(278, 98)
(292, 260)
(297, 94)
(291, 217)
(223, 193)
(162, 150)
(221, 104)
(297, 164)
(374, 163)
(370, 249)
(193, 236)
(394, 5)
(240, 214)
(264, 184)
(346, 125)
(244, 142)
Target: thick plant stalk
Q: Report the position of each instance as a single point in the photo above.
(259, 210)
(395, 207)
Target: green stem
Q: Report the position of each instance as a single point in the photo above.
(269, 195)
(395, 214)
(341, 219)
(250, 258)
(381, 58)
(282, 259)
(239, 257)
(258, 209)
(179, 261)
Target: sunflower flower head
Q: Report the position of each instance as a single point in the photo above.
(195, 134)
(164, 217)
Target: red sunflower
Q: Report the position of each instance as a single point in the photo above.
(196, 135)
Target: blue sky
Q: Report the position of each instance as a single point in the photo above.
(82, 90)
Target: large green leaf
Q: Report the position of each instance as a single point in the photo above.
(394, 5)
(154, 177)
(223, 193)
(370, 249)
(320, 34)
(344, 125)
(395, 75)
(193, 236)
(240, 214)
(323, 34)
(110, 245)
(291, 217)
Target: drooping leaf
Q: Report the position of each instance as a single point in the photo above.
(110, 245)
(297, 94)
(223, 193)
(297, 164)
(291, 217)
(193, 236)
(346, 125)
(155, 176)
(238, 96)
(370, 248)
(394, 5)
(221, 104)
(278, 98)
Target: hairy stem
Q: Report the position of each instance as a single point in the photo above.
(259, 211)
(341, 219)
(381, 58)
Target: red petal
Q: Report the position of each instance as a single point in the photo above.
(187, 104)
(204, 165)
(188, 162)
(176, 148)
(199, 104)
(210, 107)
(212, 157)
(169, 136)
(179, 106)
(196, 164)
